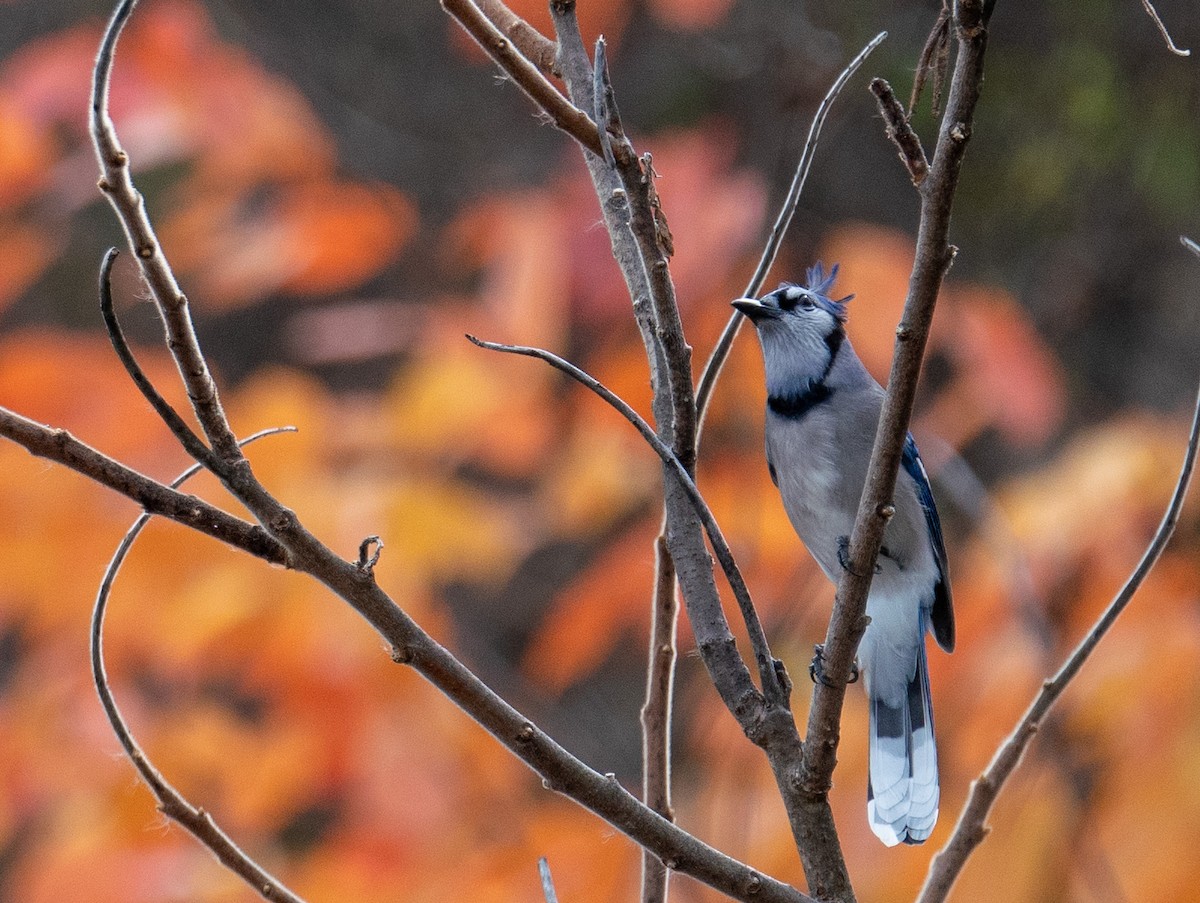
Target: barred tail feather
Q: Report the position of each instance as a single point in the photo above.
(902, 786)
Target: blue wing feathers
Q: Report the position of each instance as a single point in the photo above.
(941, 615)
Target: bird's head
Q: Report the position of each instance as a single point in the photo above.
(800, 327)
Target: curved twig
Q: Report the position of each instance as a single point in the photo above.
(1162, 29)
(970, 830)
(171, 802)
(186, 437)
(117, 184)
(716, 360)
(758, 638)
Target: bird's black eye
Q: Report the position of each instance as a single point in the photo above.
(795, 297)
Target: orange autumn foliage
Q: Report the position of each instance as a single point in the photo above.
(270, 703)
(267, 211)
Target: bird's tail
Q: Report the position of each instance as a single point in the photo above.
(902, 783)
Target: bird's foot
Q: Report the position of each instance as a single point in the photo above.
(843, 553)
(816, 670)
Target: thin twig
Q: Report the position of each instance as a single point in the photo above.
(547, 881)
(716, 360)
(971, 830)
(117, 185)
(186, 437)
(933, 257)
(656, 714)
(61, 447)
(561, 111)
(724, 554)
(369, 551)
(603, 103)
(171, 802)
(935, 57)
(1162, 29)
(900, 131)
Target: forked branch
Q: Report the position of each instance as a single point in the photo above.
(116, 183)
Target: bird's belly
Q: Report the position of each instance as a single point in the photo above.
(815, 504)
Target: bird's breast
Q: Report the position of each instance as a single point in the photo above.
(815, 490)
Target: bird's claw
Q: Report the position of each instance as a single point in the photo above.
(843, 554)
(816, 670)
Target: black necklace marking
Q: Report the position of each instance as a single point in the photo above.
(798, 404)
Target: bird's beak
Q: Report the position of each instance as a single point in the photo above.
(755, 310)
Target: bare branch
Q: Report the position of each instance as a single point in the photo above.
(531, 43)
(935, 59)
(290, 541)
(581, 81)
(604, 103)
(656, 714)
(758, 639)
(61, 447)
(971, 830)
(171, 802)
(900, 132)
(1162, 29)
(191, 443)
(933, 258)
(561, 111)
(117, 185)
(716, 360)
(547, 881)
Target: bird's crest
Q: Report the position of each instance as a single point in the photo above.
(817, 287)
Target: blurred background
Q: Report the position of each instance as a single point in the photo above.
(345, 189)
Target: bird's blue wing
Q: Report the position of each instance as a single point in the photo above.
(942, 614)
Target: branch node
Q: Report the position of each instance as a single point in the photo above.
(284, 521)
(367, 559)
(888, 511)
(402, 655)
(527, 733)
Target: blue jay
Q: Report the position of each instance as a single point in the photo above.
(822, 412)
